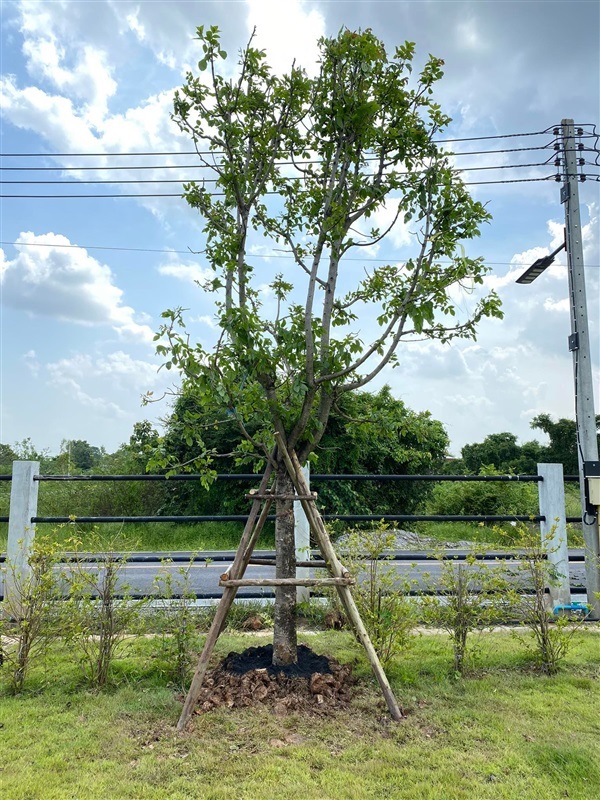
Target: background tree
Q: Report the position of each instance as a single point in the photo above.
(562, 448)
(7, 456)
(366, 433)
(306, 162)
(377, 434)
(502, 451)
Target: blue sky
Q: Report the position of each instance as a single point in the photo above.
(99, 77)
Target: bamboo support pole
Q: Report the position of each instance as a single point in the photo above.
(295, 497)
(318, 528)
(249, 538)
(288, 582)
(270, 562)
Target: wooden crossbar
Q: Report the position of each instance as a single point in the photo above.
(288, 582)
(269, 496)
(270, 562)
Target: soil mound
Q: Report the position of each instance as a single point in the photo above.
(316, 684)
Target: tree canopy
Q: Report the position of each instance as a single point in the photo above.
(307, 162)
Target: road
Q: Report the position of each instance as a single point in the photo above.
(203, 577)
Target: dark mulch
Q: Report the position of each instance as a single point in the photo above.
(316, 684)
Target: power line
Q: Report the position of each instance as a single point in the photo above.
(214, 180)
(222, 194)
(216, 152)
(279, 163)
(189, 252)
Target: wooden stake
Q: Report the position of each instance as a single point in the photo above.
(318, 527)
(249, 538)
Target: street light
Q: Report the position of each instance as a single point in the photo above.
(536, 269)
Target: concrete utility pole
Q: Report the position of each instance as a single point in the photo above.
(579, 344)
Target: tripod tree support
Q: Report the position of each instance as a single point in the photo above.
(234, 578)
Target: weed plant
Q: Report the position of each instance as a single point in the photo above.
(551, 637)
(100, 608)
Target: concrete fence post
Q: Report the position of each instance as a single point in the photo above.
(21, 531)
(551, 492)
(302, 537)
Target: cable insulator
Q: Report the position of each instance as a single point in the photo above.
(556, 146)
(556, 131)
(580, 146)
(557, 178)
(579, 131)
(582, 178)
(557, 162)
(581, 161)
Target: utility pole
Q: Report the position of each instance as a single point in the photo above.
(579, 344)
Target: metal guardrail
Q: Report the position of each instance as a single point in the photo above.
(248, 477)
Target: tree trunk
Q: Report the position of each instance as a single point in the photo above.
(284, 637)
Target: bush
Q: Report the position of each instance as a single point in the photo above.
(383, 604)
(551, 639)
(30, 617)
(483, 497)
(470, 595)
(101, 609)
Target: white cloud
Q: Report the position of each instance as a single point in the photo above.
(32, 362)
(104, 383)
(66, 375)
(188, 273)
(287, 31)
(383, 217)
(67, 284)
(204, 319)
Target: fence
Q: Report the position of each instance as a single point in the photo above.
(552, 519)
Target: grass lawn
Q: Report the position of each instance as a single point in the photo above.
(504, 732)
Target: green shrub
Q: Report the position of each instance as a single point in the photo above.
(30, 616)
(483, 497)
(382, 600)
(469, 595)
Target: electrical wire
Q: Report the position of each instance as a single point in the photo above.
(189, 252)
(215, 180)
(279, 163)
(215, 152)
(290, 257)
(222, 194)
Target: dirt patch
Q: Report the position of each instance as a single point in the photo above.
(316, 684)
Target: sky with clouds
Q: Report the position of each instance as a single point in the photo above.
(81, 299)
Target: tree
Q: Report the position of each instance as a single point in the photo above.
(7, 456)
(502, 451)
(563, 440)
(378, 434)
(365, 433)
(306, 162)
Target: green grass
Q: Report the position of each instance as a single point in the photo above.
(503, 733)
(154, 536)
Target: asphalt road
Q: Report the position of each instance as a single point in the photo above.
(140, 577)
